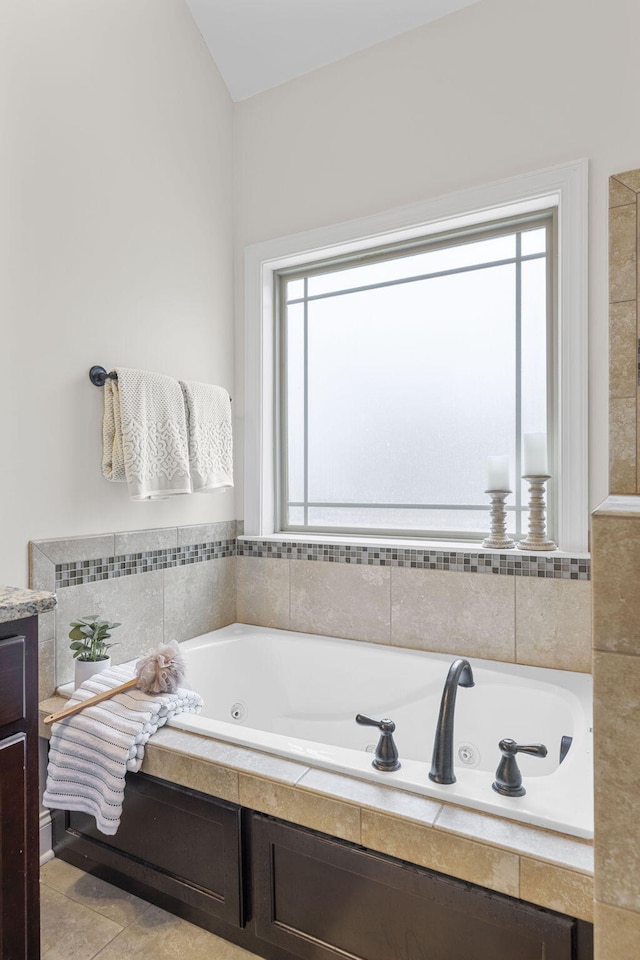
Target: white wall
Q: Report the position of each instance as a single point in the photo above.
(115, 248)
(500, 88)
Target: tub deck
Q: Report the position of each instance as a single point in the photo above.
(543, 867)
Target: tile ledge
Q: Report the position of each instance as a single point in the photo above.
(619, 505)
(51, 704)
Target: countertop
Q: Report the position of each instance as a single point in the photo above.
(18, 602)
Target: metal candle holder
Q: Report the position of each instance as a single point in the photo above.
(537, 538)
(498, 537)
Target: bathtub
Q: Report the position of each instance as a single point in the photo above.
(297, 695)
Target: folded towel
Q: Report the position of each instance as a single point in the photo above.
(210, 438)
(144, 435)
(91, 752)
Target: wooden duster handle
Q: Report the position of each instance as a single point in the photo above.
(77, 707)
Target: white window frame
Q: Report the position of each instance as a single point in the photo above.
(564, 187)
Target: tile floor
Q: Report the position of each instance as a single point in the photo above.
(83, 918)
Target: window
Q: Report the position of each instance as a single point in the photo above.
(402, 370)
(334, 397)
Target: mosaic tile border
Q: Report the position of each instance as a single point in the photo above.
(509, 564)
(79, 572)
(76, 573)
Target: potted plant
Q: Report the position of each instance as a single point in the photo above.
(88, 637)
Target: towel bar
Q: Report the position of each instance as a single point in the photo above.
(99, 376)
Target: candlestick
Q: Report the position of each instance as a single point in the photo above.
(537, 538)
(498, 473)
(534, 461)
(498, 537)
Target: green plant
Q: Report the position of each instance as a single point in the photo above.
(88, 636)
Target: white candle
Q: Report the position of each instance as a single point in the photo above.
(498, 473)
(535, 462)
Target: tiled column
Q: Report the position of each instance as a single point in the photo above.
(624, 354)
(616, 673)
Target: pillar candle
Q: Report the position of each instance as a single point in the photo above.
(535, 462)
(498, 473)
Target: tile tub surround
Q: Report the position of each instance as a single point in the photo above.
(549, 869)
(616, 641)
(171, 583)
(624, 333)
(179, 582)
(538, 621)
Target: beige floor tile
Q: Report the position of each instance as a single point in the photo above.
(104, 898)
(158, 935)
(71, 931)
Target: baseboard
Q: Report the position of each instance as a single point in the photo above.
(46, 851)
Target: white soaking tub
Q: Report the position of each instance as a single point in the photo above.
(297, 695)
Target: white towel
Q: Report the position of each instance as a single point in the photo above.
(144, 434)
(210, 436)
(91, 752)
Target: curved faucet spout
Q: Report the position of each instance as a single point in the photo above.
(460, 674)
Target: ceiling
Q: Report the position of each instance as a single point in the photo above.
(259, 44)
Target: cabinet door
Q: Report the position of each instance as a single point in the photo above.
(321, 899)
(184, 844)
(13, 848)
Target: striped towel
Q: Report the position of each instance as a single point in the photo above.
(91, 752)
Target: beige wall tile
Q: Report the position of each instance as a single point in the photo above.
(199, 597)
(616, 934)
(469, 614)
(630, 179)
(619, 194)
(206, 532)
(191, 772)
(556, 888)
(517, 837)
(46, 669)
(140, 541)
(250, 761)
(622, 253)
(637, 440)
(366, 794)
(136, 602)
(77, 548)
(437, 850)
(340, 599)
(615, 543)
(622, 445)
(617, 761)
(553, 623)
(42, 570)
(623, 341)
(318, 813)
(262, 591)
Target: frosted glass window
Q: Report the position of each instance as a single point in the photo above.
(403, 373)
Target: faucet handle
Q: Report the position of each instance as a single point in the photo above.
(384, 725)
(386, 757)
(535, 749)
(508, 780)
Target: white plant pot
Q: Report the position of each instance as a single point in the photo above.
(87, 668)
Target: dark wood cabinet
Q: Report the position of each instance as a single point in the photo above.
(288, 893)
(19, 839)
(322, 899)
(173, 845)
